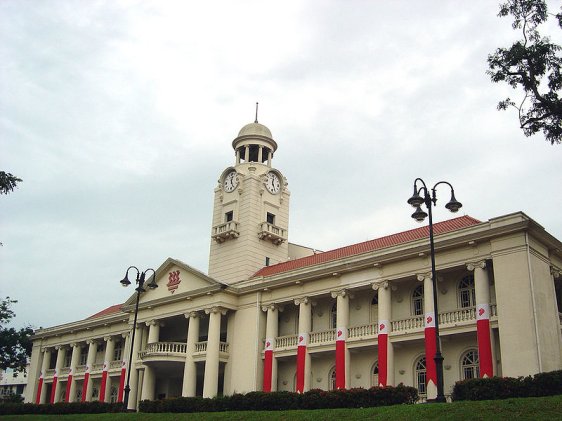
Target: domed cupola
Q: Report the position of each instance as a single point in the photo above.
(254, 143)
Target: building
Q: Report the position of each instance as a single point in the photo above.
(272, 315)
(12, 383)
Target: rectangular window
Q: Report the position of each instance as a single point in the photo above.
(267, 261)
(83, 356)
(228, 216)
(118, 352)
(270, 218)
(67, 359)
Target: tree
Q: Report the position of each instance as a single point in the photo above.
(8, 182)
(15, 345)
(532, 64)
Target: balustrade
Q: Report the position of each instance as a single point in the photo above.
(364, 330)
(323, 336)
(80, 368)
(287, 341)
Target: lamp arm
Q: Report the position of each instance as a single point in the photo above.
(434, 193)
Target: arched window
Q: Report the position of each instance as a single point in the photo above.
(420, 376)
(332, 379)
(470, 365)
(113, 394)
(466, 292)
(417, 301)
(375, 374)
(334, 316)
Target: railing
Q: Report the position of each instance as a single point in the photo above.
(364, 330)
(322, 336)
(50, 372)
(273, 233)
(460, 315)
(407, 324)
(288, 341)
(64, 370)
(115, 364)
(202, 347)
(97, 367)
(223, 232)
(164, 349)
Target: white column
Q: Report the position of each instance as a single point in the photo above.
(92, 351)
(237, 156)
(109, 351)
(190, 370)
(76, 350)
(305, 326)
(260, 153)
(269, 157)
(44, 368)
(271, 333)
(149, 378)
(134, 379)
(247, 153)
(211, 379)
(342, 325)
(384, 326)
(61, 353)
(153, 331)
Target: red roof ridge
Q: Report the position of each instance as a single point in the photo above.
(369, 245)
(107, 311)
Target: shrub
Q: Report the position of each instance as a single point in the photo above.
(542, 384)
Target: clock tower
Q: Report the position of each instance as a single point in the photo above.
(251, 210)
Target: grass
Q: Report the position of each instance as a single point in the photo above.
(546, 408)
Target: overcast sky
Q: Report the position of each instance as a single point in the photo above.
(119, 117)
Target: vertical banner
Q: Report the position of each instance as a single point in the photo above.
(430, 350)
(39, 388)
(103, 381)
(68, 385)
(484, 343)
(268, 365)
(341, 337)
(301, 360)
(383, 353)
(122, 381)
(85, 385)
(54, 387)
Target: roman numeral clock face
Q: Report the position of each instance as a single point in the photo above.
(272, 183)
(230, 182)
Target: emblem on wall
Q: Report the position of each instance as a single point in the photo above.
(173, 281)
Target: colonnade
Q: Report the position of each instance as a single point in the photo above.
(385, 346)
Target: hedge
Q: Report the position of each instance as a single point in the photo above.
(541, 384)
(59, 408)
(278, 401)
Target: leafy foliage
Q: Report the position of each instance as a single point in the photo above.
(15, 345)
(541, 384)
(8, 182)
(533, 64)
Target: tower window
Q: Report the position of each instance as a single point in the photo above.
(270, 218)
(229, 216)
(267, 261)
(254, 150)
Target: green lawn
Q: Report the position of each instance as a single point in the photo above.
(548, 408)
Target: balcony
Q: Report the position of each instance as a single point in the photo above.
(228, 230)
(459, 318)
(201, 351)
(272, 233)
(164, 351)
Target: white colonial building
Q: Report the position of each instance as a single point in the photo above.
(271, 315)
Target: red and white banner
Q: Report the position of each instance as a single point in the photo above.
(430, 350)
(268, 364)
(103, 381)
(68, 386)
(383, 353)
(122, 381)
(85, 385)
(341, 337)
(484, 342)
(54, 387)
(301, 361)
(39, 388)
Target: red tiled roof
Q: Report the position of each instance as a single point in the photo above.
(109, 310)
(367, 246)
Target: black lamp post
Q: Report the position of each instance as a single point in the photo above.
(140, 280)
(419, 215)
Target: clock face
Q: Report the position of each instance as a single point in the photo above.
(230, 181)
(272, 183)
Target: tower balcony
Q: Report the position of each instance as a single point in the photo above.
(273, 233)
(225, 231)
